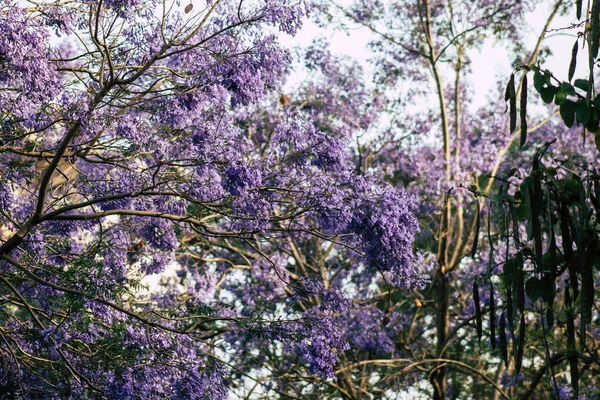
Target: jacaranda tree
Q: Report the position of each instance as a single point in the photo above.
(132, 144)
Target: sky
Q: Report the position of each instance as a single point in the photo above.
(490, 64)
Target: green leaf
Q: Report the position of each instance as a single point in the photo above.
(597, 263)
(547, 93)
(552, 258)
(482, 182)
(579, 7)
(560, 98)
(597, 101)
(593, 122)
(582, 111)
(521, 210)
(547, 76)
(573, 189)
(538, 81)
(582, 84)
(567, 113)
(532, 288)
(508, 275)
(547, 289)
(568, 88)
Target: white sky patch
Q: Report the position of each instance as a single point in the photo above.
(489, 65)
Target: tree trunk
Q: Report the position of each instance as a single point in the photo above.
(441, 287)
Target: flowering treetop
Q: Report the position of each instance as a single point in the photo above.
(130, 146)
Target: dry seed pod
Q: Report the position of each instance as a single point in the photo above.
(284, 100)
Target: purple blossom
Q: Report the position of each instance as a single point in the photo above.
(154, 144)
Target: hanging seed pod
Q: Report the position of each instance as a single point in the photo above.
(477, 228)
(595, 29)
(492, 317)
(523, 110)
(477, 310)
(503, 344)
(511, 97)
(520, 345)
(573, 63)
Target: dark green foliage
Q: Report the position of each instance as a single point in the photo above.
(574, 106)
(567, 112)
(558, 281)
